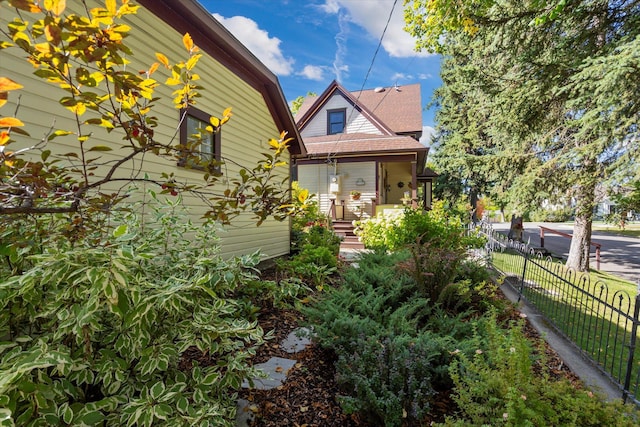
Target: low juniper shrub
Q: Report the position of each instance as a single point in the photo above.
(393, 344)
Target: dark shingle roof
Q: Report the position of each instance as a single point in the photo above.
(399, 108)
(361, 143)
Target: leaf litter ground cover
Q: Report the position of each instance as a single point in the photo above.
(309, 396)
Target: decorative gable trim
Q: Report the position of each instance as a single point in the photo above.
(335, 89)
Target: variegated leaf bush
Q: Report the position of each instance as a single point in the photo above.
(96, 334)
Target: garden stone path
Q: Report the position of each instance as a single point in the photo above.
(276, 370)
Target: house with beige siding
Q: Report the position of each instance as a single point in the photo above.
(365, 141)
(230, 76)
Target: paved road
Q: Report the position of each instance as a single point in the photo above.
(619, 255)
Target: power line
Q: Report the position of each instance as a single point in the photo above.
(366, 77)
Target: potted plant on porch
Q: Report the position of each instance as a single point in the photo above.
(355, 195)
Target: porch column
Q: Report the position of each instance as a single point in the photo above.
(414, 184)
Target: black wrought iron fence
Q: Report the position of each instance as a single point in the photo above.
(602, 321)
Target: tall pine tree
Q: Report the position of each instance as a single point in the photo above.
(546, 93)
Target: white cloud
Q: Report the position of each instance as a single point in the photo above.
(313, 72)
(339, 66)
(331, 7)
(428, 133)
(372, 16)
(265, 48)
(398, 77)
(401, 76)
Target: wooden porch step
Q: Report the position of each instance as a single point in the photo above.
(351, 245)
(344, 229)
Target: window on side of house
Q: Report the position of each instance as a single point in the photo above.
(336, 121)
(201, 148)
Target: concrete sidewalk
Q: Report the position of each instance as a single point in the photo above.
(568, 352)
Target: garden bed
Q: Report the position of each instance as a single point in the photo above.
(308, 397)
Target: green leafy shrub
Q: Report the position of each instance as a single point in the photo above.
(552, 215)
(278, 293)
(395, 231)
(455, 213)
(310, 214)
(315, 247)
(496, 385)
(314, 265)
(95, 334)
(380, 232)
(473, 288)
(320, 255)
(472, 270)
(309, 225)
(322, 236)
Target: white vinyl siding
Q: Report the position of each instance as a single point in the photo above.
(244, 137)
(316, 177)
(356, 122)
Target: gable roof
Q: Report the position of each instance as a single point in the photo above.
(399, 106)
(189, 16)
(397, 109)
(335, 88)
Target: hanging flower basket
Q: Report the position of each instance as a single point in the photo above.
(355, 195)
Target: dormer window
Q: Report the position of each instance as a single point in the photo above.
(336, 121)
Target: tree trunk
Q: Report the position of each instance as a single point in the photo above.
(473, 200)
(581, 242)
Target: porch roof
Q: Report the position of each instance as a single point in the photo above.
(427, 175)
(361, 143)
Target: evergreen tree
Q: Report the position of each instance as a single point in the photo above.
(546, 92)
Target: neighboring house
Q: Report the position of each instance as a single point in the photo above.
(365, 141)
(230, 76)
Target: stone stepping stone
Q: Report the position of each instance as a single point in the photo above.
(276, 369)
(297, 340)
(245, 415)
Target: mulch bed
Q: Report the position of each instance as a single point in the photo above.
(308, 397)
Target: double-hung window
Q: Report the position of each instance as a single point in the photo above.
(336, 121)
(201, 148)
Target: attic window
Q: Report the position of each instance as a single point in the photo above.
(336, 121)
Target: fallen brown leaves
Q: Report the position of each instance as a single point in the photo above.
(309, 395)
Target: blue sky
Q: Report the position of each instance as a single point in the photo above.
(309, 43)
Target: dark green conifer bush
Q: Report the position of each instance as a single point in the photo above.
(393, 344)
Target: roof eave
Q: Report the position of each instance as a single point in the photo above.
(189, 16)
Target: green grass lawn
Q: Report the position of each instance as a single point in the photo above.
(630, 230)
(598, 326)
